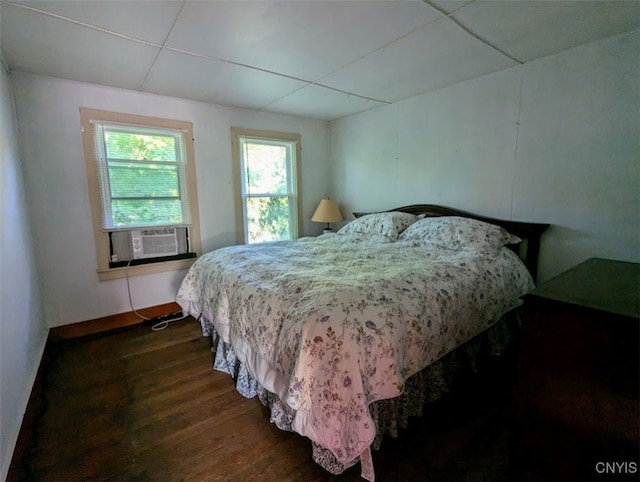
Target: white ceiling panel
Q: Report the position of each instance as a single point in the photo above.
(145, 20)
(317, 102)
(217, 82)
(436, 56)
(37, 43)
(279, 55)
(532, 29)
(302, 39)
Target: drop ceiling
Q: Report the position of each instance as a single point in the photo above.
(316, 59)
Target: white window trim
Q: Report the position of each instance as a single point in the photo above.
(95, 195)
(236, 134)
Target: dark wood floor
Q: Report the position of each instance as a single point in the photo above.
(144, 405)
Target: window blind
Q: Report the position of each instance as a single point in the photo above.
(142, 174)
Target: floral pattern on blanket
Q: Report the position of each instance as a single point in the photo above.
(334, 323)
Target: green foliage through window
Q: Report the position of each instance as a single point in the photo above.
(268, 219)
(143, 174)
(268, 189)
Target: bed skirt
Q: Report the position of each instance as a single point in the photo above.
(389, 415)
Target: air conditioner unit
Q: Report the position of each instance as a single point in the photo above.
(151, 243)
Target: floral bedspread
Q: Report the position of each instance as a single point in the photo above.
(334, 323)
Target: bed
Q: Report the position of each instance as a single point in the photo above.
(346, 335)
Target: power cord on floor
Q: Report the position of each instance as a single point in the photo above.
(163, 321)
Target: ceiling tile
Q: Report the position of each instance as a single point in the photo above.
(302, 39)
(438, 55)
(533, 29)
(187, 76)
(315, 102)
(149, 21)
(45, 45)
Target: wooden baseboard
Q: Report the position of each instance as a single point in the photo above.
(99, 325)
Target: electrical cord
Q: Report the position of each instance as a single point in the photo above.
(164, 320)
(142, 317)
(161, 325)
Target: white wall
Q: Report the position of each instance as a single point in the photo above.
(22, 328)
(48, 113)
(555, 140)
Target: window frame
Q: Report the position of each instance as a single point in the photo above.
(101, 236)
(296, 139)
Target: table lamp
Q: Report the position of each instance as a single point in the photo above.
(327, 212)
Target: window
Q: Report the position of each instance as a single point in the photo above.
(266, 171)
(141, 176)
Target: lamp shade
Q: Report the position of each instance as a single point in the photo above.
(327, 212)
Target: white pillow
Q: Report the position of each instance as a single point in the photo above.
(458, 233)
(389, 224)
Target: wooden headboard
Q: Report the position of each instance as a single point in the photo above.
(530, 233)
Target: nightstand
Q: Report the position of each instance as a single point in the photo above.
(575, 404)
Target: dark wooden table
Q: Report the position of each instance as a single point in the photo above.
(575, 412)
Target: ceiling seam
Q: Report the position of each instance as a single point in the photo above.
(164, 44)
(369, 99)
(318, 83)
(152, 44)
(232, 62)
(252, 67)
(451, 17)
(308, 83)
(208, 57)
(84, 24)
(351, 93)
(455, 10)
(4, 63)
(515, 147)
(412, 31)
(195, 54)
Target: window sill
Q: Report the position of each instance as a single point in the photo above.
(105, 274)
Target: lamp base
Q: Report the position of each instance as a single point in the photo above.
(327, 230)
